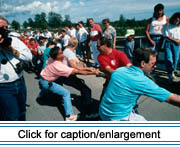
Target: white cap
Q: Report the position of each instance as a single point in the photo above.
(129, 32)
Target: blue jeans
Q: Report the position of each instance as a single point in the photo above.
(171, 55)
(13, 101)
(79, 50)
(95, 51)
(78, 84)
(59, 90)
(158, 41)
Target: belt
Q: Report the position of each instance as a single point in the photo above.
(21, 78)
(156, 35)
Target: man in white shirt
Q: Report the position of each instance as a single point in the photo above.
(72, 61)
(12, 85)
(82, 36)
(64, 38)
(48, 34)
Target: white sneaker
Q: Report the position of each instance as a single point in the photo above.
(72, 117)
(173, 75)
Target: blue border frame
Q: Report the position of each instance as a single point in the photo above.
(90, 142)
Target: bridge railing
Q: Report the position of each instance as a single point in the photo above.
(142, 40)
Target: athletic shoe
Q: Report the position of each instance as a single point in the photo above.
(71, 117)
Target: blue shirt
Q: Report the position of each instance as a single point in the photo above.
(46, 56)
(129, 48)
(126, 85)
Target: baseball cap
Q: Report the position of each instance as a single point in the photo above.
(130, 32)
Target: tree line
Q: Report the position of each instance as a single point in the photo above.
(54, 20)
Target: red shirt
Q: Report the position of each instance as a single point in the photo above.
(33, 48)
(115, 59)
(95, 32)
(26, 40)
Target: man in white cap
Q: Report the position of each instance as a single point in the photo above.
(130, 43)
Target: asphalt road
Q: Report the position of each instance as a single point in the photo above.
(51, 108)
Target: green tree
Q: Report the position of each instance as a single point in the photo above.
(54, 20)
(40, 21)
(131, 22)
(15, 25)
(67, 20)
(31, 23)
(122, 20)
(25, 24)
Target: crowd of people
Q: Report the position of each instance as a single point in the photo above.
(57, 57)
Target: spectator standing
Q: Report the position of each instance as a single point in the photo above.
(82, 36)
(130, 44)
(67, 29)
(41, 33)
(38, 61)
(109, 32)
(12, 84)
(72, 31)
(33, 45)
(58, 34)
(154, 27)
(64, 39)
(25, 38)
(172, 45)
(47, 34)
(30, 32)
(95, 32)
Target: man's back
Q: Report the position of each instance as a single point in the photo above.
(126, 85)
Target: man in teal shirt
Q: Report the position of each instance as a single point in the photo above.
(127, 84)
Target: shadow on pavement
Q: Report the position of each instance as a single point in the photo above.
(162, 80)
(56, 101)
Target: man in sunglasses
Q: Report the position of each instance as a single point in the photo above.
(127, 84)
(12, 85)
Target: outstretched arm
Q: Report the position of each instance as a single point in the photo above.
(174, 100)
(85, 72)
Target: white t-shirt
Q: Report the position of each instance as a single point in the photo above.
(48, 35)
(73, 33)
(82, 35)
(69, 55)
(157, 26)
(172, 31)
(65, 41)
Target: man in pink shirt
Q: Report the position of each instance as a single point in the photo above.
(54, 70)
(95, 32)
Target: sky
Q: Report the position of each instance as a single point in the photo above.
(80, 10)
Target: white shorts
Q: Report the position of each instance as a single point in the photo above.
(133, 117)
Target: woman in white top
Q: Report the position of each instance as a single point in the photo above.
(172, 45)
(155, 26)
